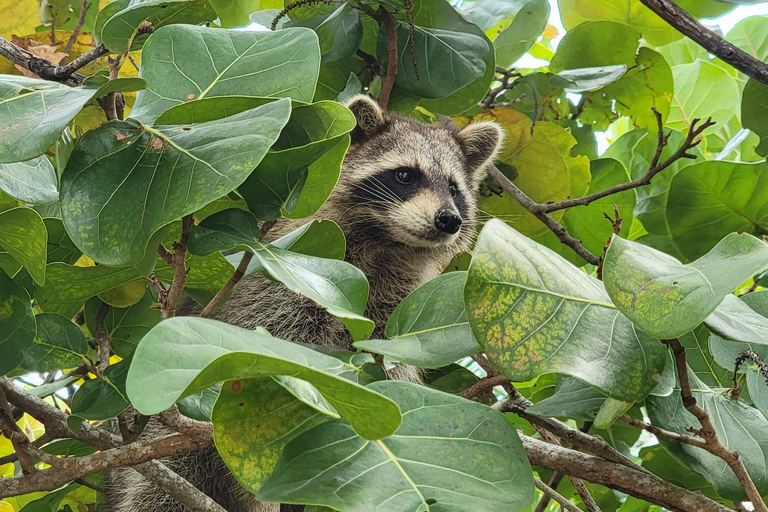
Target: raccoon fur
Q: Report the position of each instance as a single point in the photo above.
(406, 202)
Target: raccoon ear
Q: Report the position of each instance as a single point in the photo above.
(368, 114)
(481, 142)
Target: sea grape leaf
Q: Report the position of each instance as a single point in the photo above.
(266, 64)
(702, 90)
(754, 112)
(17, 323)
(241, 411)
(528, 24)
(23, 235)
(535, 313)
(429, 328)
(32, 181)
(665, 298)
(439, 459)
(573, 399)
(593, 44)
(701, 360)
(119, 30)
(33, 113)
(103, 397)
(149, 177)
(711, 199)
(67, 287)
(124, 326)
(59, 344)
(737, 326)
(215, 352)
(335, 285)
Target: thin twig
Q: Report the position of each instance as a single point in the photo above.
(707, 431)
(660, 432)
(18, 438)
(102, 339)
(490, 99)
(670, 12)
(392, 56)
(236, 276)
(553, 494)
(615, 230)
(78, 27)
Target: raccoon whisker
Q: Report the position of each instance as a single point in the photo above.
(380, 194)
(386, 189)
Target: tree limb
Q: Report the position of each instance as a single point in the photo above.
(553, 494)
(78, 27)
(643, 485)
(686, 24)
(660, 432)
(177, 487)
(388, 20)
(38, 65)
(707, 432)
(236, 277)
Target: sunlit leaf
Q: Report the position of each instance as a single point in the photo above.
(17, 323)
(33, 181)
(23, 235)
(521, 34)
(59, 344)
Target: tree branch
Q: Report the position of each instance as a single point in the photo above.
(388, 20)
(707, 432)
(484, 384)
(660, 432)
(553, 494)
(236, 276)
(686, 24)
(643, 485)
(38, 65)
(177, 487)
(102, 338)
(535, 208)
(78, 27)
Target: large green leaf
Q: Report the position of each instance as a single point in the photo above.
(17, 323)
(68, 287)
(711, 199)
(588, 79)
(124, 181)
(268, 64)
(448, 454)
(277, 184)
(446, 60)
(251, 431)
(102, 398)
(335, 285)
(124, 326)
(213, 352)
(593, 44)
(339, 33)
(700, 359)
(521, 35)
(738, 426)
(59, 344)
(665, 298)
(535, 313)
(33, 113)
(119, 30)
(24, 236)
(235, 13)
(488, 14)
(33, 181)
(751, 35)
(573, 399)
(429, 328)
(702, 90)
(743, 321)
(754, 112)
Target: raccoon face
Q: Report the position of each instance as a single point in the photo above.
(413, 183)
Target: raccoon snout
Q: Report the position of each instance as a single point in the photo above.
(448, 221)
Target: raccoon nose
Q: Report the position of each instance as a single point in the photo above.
(447, 221)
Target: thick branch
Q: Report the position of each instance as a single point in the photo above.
(536, 209)
(484, 384)
(553, 494)
(392, 56)
(686, 24)
(38, 65)
(645, 486)
(707, 432)
(177, 487)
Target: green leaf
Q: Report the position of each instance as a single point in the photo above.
(200, 405)
(34, 112)
(215, 352)
(741, 320)
(23, 235)
(267, 64)
(573, 399)
(276, 186)
(207, 274)
(335, 285)
(702, 90)
(522, 33)
(149, 177)
(124, 326)
(68, 287)
(589, 79)
(339, 32)
(439, 459)
(662, 463)
(322, 176)
(236, 13)
(437, 50)
(104, 397)
(738, 426)
(750, 34)
(700, 359)
(487, 14)
(665, 298)
(754, 112)
(429, 328)
(450, 379)
(119, 30)
(58, 345)
(711, 199)
(252, 432)
(535, 313)
(594, 44)
(17, 323)
(33, 181)
(50, 501)
(104, 85)
(321, 238)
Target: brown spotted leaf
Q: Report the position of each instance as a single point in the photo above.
(533, 312)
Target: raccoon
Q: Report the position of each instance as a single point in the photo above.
(406, 202)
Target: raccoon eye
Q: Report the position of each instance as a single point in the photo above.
(404, 176)
(454, 191)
